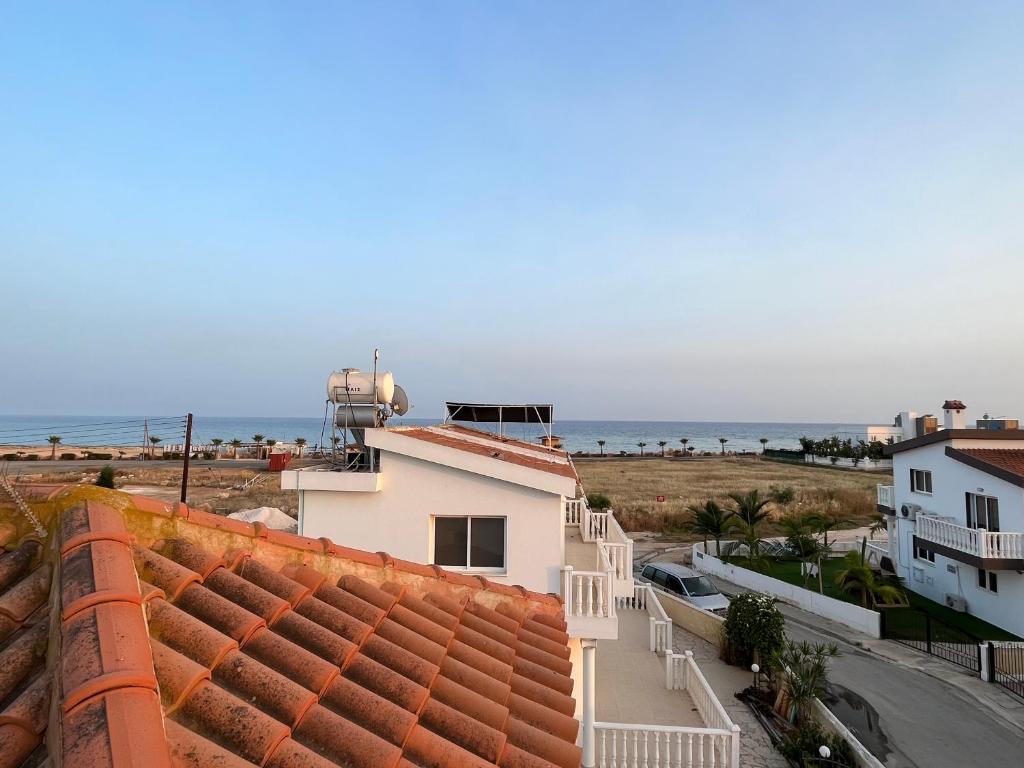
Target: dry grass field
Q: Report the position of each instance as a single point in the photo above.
(633, 485)
(209, 488)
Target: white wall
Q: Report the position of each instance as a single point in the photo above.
(848, 614)
(951, 479)
(396, 519)
(864, 464)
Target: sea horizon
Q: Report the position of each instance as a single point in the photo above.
(577, 434)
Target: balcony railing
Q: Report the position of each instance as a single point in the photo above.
(887, 496)
(971, 541)
(645, 599)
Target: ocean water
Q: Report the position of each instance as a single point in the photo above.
(576, 435)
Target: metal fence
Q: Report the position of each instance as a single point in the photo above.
(918, 629)
(1007, 662)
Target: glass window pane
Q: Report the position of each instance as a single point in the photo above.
(928, 481)
(673, 585)
(993, 584)
(660, 578)
(981, 578)
(648, 572)
(487, 548)
(993, 513)
(450, 541)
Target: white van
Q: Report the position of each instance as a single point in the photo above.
(686, 583)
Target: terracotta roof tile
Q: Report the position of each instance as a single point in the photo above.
(191, 642)
(1010, 460)
(543, 463)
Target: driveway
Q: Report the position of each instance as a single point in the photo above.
(912, 710)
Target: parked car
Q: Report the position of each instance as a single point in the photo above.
(686, 583)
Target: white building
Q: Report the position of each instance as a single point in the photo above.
(507, 511)
(956, 531)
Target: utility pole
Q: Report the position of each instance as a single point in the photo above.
(188, 451)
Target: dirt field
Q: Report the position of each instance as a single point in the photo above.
(208, 488)
(633, 485)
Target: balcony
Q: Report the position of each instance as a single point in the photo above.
(991, 550)
(886, 499)
(598, 569)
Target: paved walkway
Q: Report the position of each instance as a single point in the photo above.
(631, 680)
(756, 750)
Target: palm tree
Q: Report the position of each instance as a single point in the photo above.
(764, 444)
(824, 522)
(235, 445)
(300, 443)
(258, 439)
(710, 520)
(600, 445)
(879, 524)
(857, 578)
(723, 441)
(804, 674)
(53, 440)
(155, 441)
(684, 441)
(270, 444)
(750, 507)
(641, 445)
(662, 444)
(216, 443)
(757, 558)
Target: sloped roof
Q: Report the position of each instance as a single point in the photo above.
(1005, 463)
(484, 434)
(187, 639)
(551, 462)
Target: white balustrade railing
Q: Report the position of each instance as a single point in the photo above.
(588, 594)
(645, 599)
(875, 553)
(887, 496)
(683, 674)
(621, 745)
(973, 541)
(574, 511)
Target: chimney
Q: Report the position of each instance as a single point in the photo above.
(954, 415)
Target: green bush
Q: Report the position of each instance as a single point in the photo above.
(68, 456)
(598, 501)
(781, 494)
(753, 625)
(106, 478)
(99, 456)
(32, 457)
(209, 455)
(803, 745)
(10, 457)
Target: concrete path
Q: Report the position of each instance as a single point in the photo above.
(910, 709)
(756, 749)
(631, 680)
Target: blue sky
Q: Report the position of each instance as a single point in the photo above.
(746, 211)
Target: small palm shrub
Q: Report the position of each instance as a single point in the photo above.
(106, 478)
(598, 501)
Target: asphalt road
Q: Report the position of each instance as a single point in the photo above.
(906, 717)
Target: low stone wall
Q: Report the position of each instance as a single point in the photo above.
(703, 624)
(847, 614)
(830, 723)
(865, 464)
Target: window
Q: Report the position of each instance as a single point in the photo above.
(673, 584)
(982, 512)
(477, 543)
(921, 481)
(648, 572)
(921, 553)
(660, 578)
(699, 586)
(988, 580)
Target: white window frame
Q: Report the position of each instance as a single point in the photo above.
(972, 517)
(920, 559)
(469, 544)
(913, 481)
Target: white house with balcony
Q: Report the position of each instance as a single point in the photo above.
(956, 518)
(513, 512)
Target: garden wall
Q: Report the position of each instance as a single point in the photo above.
(704, 624)
(831, 724)
(866, 464)
(844, 613)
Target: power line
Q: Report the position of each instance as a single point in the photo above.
(121, 423)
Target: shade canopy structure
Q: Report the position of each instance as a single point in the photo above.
(501, 414)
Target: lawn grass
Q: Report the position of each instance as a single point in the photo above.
(899, 621)
(633, 486)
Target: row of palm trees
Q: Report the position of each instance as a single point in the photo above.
(685, 442)
(807, 535)
(155, 440)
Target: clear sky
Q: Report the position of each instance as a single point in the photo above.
(679, 210)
